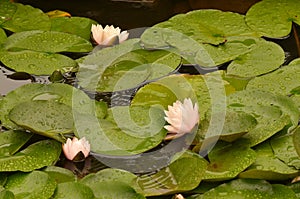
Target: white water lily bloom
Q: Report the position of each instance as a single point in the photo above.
(182, 118)
(72, 147)
(107, 35)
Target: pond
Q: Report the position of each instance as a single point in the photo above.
(197, 102)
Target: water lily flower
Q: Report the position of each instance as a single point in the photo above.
(72, 147)
(182, 118)
(108, 35)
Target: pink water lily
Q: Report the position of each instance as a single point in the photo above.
(107, 36)
(72, 147)
(182, 118)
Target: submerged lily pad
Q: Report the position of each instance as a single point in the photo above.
(71, 190)
(47, 118)
(47, 41)
(12, 141)
(26, 18)
(267, 166)
(248, 188)
(39, 183)
(184, 173)
(228, 160)
(60, 174)
(37, 63)
(35, 156)
(273, 18)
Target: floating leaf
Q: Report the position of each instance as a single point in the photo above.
(284, 77)
(47, 118)
(72, 190)
(35, 156)
(264, 57)
(273, 18)
(248, 188)
(112, 183)
(228, 160)
(60, 174)
(26, 18)
(7, 11)
(80, 26)
(12, 141)
(37, 63)
(58, 92)
(284, 150)
(47, 41)
(267, 166)
(3, 36)
(36, 184)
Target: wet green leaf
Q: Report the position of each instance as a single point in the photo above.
(295, 62)
(7, 11)
(284, 149)
(37, 63)
(273, 18)
(72, 190)
(25, 18)
(80, 26)
(3, 36)
(267, 166)
(248, 188)
(296, 140)
(60, 174)
(12, 141)
(35, 185)
(264, 57)
(228, 160)
(35, 156)
(43, 117)
(47, 41)
(183, 174)
(112, 183)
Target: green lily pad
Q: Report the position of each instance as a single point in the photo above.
(248, 188)
(5, 194)
(58, 92)
(12, 141)
(36, 184)
(228, 160)
(295, 62)
(109, 136)
(272, 112)
(59, 174)
(112, 183)
(284, 150)
(26, 18)
(296, 188)
(296, 140)
(3, 36)
(35, 156)
(72, 190)
(3, 179)
(273, 18)
(80, 26)
(267, 166)
(264, 57)
(47, 41)
(43, 117)
(7, 11)
(37, 63)
(184, 173)
(284, 77)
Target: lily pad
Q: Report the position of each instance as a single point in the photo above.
(58, 92)
(35, 156)
(59, 174)
(80, 26)
(7, 11)
(228, 160)
(248, 188)
(296, 140)
(184, 173)
(72, 190)
(47, 118)
(3, 36)
(284, 77)
(37, 63)
(26, 18)
(273, 18)
(5, 194)
(47, 41)
(12, 141)
(112, 183)
(264, 57)
(267, 166)
(35, 184)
